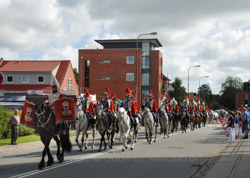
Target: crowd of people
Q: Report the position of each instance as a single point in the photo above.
(238, 124)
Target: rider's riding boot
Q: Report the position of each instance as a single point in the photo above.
(117, 128)
(135, 128)
(142, 122)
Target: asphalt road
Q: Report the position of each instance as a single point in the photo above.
(180, 155)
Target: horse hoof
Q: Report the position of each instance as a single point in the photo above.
(86, 148)
(40, 167)
(131, 148)
(126, 147)
(99, 150)
(123, 150)
(110, 147)
(164, 137)
(154, 140)
(80, 150)
(92, 147)
(135, 141)
(149, 143)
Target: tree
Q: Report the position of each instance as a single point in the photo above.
(229, 88)
(205, 93)
(76, 74)
(179, 92)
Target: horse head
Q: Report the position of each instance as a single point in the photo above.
(79, 111)
(99, 110)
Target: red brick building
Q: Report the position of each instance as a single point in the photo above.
(120, 65)
(240, 99)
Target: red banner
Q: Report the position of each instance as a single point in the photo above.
(64, 109)
(28, 113)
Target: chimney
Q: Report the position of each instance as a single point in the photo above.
(1, 61)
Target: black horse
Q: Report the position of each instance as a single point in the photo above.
(184, 120)
(105, 127)
(46, 127)
(175, 121)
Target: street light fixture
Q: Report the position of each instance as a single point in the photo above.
(200, 84)
(188, 74)
(152, 33)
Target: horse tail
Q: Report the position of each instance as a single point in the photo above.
(65, 140)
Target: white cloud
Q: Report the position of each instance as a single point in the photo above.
(215, 35)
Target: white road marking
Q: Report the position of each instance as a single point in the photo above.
(71, 161)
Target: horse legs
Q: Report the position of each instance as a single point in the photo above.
(93, 135)
(46, 143)
(58, 143)
(102, 139)
(132, 137)
(77, 135)
(86, 141)
(50, 158)
(155, 133)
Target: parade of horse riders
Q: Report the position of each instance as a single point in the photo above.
(110, 117)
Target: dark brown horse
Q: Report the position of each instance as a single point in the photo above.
(46, 127)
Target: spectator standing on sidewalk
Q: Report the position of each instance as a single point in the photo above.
(237, 124)
(245, 121)
(230, 126)
(14, 122)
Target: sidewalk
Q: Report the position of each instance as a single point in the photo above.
(234, 161)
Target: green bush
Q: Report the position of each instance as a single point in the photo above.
(5, 130)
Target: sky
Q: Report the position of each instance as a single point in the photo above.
(213, 34)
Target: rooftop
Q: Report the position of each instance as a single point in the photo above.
(30, 66)
(154, 41)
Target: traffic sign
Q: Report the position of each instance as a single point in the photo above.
(1, 78)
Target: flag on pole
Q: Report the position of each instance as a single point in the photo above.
(28, 114)
(64, 109)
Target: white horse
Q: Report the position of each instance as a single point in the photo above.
(164, 121)
(213, 117)
(83, 125)
(149, 124)
(126, 128)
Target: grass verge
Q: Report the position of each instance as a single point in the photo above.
(26, 139)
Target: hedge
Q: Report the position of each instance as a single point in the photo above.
(5, 130)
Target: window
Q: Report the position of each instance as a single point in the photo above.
(130, 77)
(145, 79)
(69, 84)
(104, 78)
(25, 79)
(145, 62)
(9, 79)
(130, 60)
(40, 79)
(104, 62)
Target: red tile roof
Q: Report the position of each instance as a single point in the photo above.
(62, 71)
(31, 66)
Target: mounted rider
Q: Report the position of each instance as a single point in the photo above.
(133, 111)
(108, 105)
(168, 107)
(88, 107)
(186, 107)
(116, 105)
(152, 105)
(200, 108)
(196, 110)
(125, 102)
(174, 105)
(53, 96)
(114, 108)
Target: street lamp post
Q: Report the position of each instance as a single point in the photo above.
(152, 33)
(188, 74)
(200, 83)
